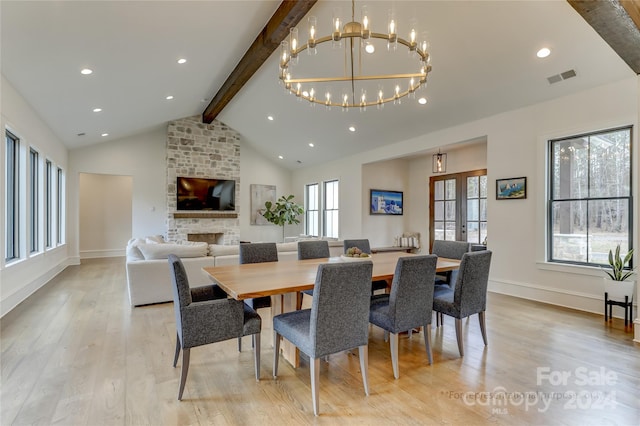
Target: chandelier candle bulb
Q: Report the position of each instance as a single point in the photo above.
(365, 23)
(311, 43)
(293, 44)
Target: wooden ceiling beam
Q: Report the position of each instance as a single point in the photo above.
(618, 23)
(287, 16)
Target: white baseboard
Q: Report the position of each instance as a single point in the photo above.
(19, 296)
(95, 254)
(569, 299)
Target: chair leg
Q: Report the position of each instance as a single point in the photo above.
(256, 354)
(276, 353)
(364, 366)
(175, 358)
(315, 379)
(459, 335)
(394, 354)
(386, 336)
(483, 328)
(239, 344)
(185, 369)
(427, 342)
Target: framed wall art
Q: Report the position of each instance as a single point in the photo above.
(511, 189)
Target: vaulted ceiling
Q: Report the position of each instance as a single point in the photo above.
(483, 57)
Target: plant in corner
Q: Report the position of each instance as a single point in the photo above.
(284, 212)
(617, 284)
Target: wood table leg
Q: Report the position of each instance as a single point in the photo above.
(281, 304)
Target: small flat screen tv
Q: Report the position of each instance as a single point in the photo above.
(386, 202)
(206, 194)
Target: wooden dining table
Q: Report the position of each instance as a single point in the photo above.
(282, 280)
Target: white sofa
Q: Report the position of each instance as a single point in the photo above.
(148, 279)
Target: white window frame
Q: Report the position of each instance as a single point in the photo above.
(325, 212)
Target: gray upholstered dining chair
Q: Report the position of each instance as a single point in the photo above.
(258, 253)
(337, 321)
(316, 249)
(204, 315)
(363, 244)
(450, 250)
(409, 304)
(469, 295)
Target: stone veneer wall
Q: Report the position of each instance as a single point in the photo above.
(195, 149)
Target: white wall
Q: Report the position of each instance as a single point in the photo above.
(256, 169)
(516, 146)
(143, 158)
(105, 214)
(20, 278)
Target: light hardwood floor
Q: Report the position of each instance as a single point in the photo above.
(75, 353)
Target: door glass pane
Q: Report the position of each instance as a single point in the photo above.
(473, 233)
(439, 190)
(438, 210)
(472, 210)
(483, 209)
(439, 230)
(483, 186)
(450, 189)
(483, 232)
(450, 210)
(472, 187)
(450, 231)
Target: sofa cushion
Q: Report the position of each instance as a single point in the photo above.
(134, 253)
(287, 246)
(222, 250)
(162, 251)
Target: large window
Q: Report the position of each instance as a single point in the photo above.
(330, 209)
(458, 207)
(311, 200)
(12, 214)
(590, 208)
(34, 197)
(60, 207)
(48, 201)
(322, 199)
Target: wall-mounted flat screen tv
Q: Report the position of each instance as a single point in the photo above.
(386, 202)
(206, 194)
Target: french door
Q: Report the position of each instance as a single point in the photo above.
(458, 207)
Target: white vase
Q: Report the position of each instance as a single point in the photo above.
(617, 290)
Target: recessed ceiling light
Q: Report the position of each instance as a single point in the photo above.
(369, 48)
(169, 97)
(270, 118)
(543, 53)
(422, 101)
(311, 144)
(281, 157)
(97, 109)
(305, 94)
(86, 71)
(352, 129)
(104, 134)
(182, 61)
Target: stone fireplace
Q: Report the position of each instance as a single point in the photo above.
(195, 149)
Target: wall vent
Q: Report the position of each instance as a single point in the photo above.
(562, 76)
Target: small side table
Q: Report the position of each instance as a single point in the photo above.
(627, 305)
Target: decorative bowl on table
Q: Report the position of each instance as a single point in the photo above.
(355, 254)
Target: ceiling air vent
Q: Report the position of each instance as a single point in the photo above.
(562, 76)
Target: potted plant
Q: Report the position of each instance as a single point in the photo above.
(284, 212)
(617, 283)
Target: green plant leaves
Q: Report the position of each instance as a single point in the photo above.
(618, 265)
